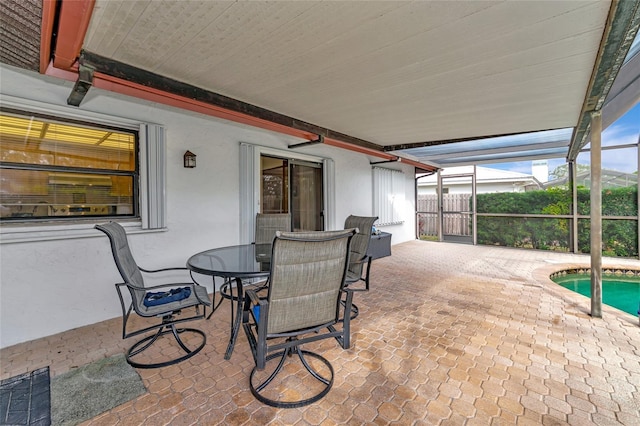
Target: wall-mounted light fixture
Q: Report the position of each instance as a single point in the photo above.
(189, 160)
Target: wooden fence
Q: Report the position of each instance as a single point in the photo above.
(453, 223)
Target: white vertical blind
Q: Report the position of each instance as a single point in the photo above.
(388, 196)
(329, 194)
(153, 172)
(249, 190)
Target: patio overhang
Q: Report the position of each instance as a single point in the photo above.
(516, 68)
(614, 89)
(624, 21)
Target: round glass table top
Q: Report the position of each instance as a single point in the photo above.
(246, 260)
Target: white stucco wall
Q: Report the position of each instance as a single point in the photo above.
(51, 286)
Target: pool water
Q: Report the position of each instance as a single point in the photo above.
(620, 292)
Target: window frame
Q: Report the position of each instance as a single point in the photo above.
(57, 169)
(150, 198)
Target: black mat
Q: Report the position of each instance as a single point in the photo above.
(25, 399)
(84, 393)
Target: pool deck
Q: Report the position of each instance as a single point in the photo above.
(449, 334)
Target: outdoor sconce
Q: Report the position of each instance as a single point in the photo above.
(189, 160)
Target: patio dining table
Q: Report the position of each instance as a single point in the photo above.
(232, 264)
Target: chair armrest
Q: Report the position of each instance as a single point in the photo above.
(366, 259)
(252, 296)
(134, 287)
(163, 269)
(163, 286)
(167, 276)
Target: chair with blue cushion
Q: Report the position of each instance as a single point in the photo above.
(172, 303)
(302, 305)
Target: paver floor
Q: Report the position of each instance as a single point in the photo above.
(448, 335)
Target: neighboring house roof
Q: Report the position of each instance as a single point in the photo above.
(610, 179)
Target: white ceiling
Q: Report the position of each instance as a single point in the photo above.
(389, 72)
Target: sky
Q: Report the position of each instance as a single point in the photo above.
(623, 132)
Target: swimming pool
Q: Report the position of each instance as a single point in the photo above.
(621, 292)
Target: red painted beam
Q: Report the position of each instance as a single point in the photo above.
(73, 22)
(361, 149)
(46, 33)
(113, 84)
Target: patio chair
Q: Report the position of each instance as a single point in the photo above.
(164, 302)
(266, 226)
(302, 305)
(268, 223)
(359, 261)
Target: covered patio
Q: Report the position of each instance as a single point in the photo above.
(450, 334)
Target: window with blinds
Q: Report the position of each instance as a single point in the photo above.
(56, 169)
(388, 196)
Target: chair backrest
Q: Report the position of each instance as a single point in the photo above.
(268, 224)
(125, 262)
(307, 274)
(360, 242)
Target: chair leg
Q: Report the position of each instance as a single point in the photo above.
(257, 390)
(214, 305)
(146, 343)
(354, 310)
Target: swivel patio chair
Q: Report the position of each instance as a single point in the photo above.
(163, 301)
(302, 306)
(267, 224)
(359, 261)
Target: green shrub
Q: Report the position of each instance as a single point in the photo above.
(619, 236)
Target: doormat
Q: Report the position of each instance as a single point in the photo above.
(84, 393)
(24, 399)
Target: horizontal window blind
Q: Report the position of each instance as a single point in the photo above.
(388, 196)
(52, 169)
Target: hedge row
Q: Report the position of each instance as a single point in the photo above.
(620, 237)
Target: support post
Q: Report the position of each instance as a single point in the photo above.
(574, 206)
(440, 201)
(474, 209)
(596, 214)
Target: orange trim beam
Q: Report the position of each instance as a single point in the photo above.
(117, 85)
(73, 22)
(74, 18)
(46, 32)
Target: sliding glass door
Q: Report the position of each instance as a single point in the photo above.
(293, 186)
(306, 196)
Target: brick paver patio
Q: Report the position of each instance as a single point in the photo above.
(449, 334)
